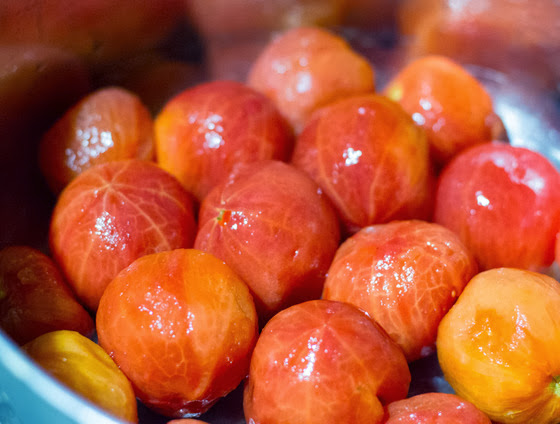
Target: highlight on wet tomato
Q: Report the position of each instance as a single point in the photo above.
(34, 297)
(296, 70)
(323, 361)
(83, 366)
(182, 326)
(204, 131)
(107, 125)
(504, 203)
(498, 346)
(450, 104)
(370, 159)
(273, 226)
(434, 408)
(405, 275)
(112, 214)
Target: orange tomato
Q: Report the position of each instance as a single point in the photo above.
(404, 274)
(306, 68)
(271, 224)
(498, 346)
(112, 214)
(107, 125)
(27, 278)
(206, 130)
(454, 109)
(323, 361)
(434, 408)
(86, 368)
(369, 158)
(182, 326)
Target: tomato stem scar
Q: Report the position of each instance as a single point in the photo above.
(555, 385)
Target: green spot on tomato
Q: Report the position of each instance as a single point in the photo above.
(555, 385)
(223, 217)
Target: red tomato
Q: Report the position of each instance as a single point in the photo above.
(504, 203)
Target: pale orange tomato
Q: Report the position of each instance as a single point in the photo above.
(498, 346)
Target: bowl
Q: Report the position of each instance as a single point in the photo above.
(527, 103)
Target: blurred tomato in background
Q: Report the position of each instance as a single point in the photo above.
(521, 37)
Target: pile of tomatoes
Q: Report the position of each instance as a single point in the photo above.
(303, 234)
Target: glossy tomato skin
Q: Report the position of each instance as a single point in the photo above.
(370, 159)
(405, 275)
(296, 71)
(504, 203)
(107, 125)
(498, 345)
(34, 297)
(323, 361)
(204, 131)
(182, 326)
(450, 104)
(83, 366)
(434, 408)
(271, 223)
(112, 214)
